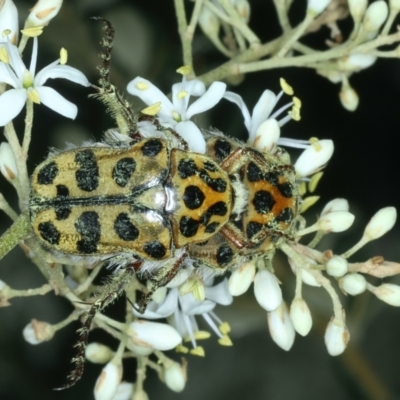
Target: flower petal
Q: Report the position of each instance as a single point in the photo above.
(54, 70)
(15, 60)
(208, 100)
(52, 99)
(262, 110)
(220, 293)
(11, 103)
(193, 136)
(193, 88)
(235, 98)
(8, 76)
(150, 94)
(190, 306)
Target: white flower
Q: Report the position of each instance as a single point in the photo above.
(389, 293)
(281, 327)
(27, 84)
(257, 125)
(267, 291)
(177, 114)
(336, 337)
(8, 21)
(107, 383)
(43, 12)
(181, 310)
(382, 222)
(175, 376)
(8, 167)
(353, 284)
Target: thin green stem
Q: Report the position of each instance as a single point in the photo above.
(17, 232)
(28, 127)
(186, 38)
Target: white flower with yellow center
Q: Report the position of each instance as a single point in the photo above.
(26, 84)
(178, 112)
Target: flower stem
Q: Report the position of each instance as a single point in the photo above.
(17, 232)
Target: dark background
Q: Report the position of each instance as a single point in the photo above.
(364, 169)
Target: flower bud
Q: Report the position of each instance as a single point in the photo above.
(357, 9)
(281, 327)
(388, 293)
(175, 376)
(243, 9)
(380, 223)
(209, 22)
(356, 62)
(8, 21)
(8, 166)
(300, 316)
(43, 12)
(267, 136)
(153, 335)
(336, 205)
(314, 157)
(349, 97)
(124, 391)
(107, 383)
(267, 290)
(375, 16)
(317, 6)
(241, 278)
(337, 266)
(37, 332)
(98, 353)
(336, 337)
(353, 284)
(306, 277)
(336, 221)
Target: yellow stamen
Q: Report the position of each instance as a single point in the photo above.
(142, 85)
(152, 110)
(286, 87)
(224, 328)
(225, 341)
(198, 351)
(296, 101)
(33, 95)
(181, 349)
(199, 335)
(295, 113)
(4, 55)
(302, 188)
(194, 286)
(6, 32)
(184, 70)
(182, 94)
(32, 31)
(307, 203)
(315, 143)
(312, 185)
(63, 56)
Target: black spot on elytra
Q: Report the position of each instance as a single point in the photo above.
(272, 178)
(47, 173)
(217, 184)
(254, 173)
(124, 228)
(155, 249)
(218, 208)
(152, 147)
(87, 176)
(123, 171)
(263, 202)
(222, 148)
(286, 189)
(62, 191)
(88, 226)
(62, 212)
(193, 197)
(286, 215)
(253, 228)
(210, 166)
(211, 228)
(49, 232)
(186, 168)
(224, 255)
(188, 226)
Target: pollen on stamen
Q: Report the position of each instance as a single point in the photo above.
(184, 70)
(225, 341)
(181, 349)
(63, 56)
(307, 203)
(152, 110)
(312, 185)
(33, 95)
(315, 143)
(142, 85)
(6, 32)
(199, 335)
(32, 31)
(302, 188)
(224, 328)
(198, 351)
(286, 87)
(182, 94)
